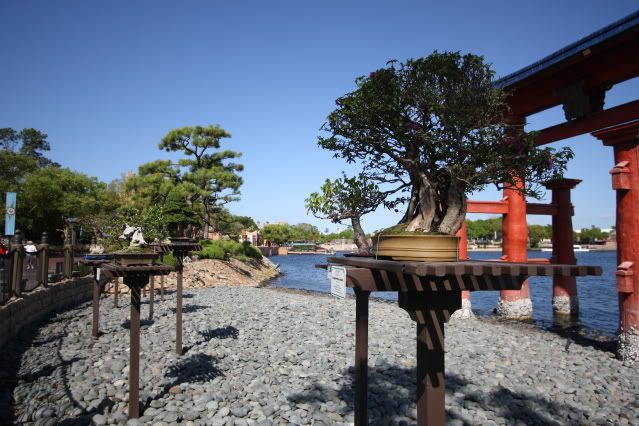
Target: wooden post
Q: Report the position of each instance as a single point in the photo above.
(68, 259)
(564, 289)
(515, 303)
(361, 357)
(151, 297)
(466, 310)
(430, 311)
(134, 352)
(42, 273)
(178, 306)
(116, 291)
(96, 304)
(625, 181)
(17, 263)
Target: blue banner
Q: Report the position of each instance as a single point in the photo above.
(10, 214)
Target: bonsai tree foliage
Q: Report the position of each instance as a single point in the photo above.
(436, 128)
(347, 198)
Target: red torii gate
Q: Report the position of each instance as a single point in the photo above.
(578, 77)
(517, 304)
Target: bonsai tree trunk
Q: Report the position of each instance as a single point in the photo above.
(360, 237)
(424, 214)
(427, 216)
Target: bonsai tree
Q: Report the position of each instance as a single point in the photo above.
(436, 128)
(347, 198)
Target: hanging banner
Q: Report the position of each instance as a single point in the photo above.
(10, 214)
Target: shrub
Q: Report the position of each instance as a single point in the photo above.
(219, 248)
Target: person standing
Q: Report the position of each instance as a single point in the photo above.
(31, 251)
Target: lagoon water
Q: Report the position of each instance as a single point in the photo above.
(599, 309)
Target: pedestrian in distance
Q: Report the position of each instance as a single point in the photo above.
(31, 251)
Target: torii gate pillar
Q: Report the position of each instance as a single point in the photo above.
(624, 139)
(564, 289)
(466, 310)
(515, 303)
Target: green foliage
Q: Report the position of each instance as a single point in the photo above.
(346, 234)
(278, 234)
(169, 259)
(231, 225)
(51, 193)
(281, 234)
(536, 233)
(222, 249)
(483, 229)
(432, 129)
(592, 235)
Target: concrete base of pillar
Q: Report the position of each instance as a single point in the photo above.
(565, 305)
(516, 309)
(629, 345)
(466, 311)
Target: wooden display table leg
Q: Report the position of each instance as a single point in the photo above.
(361, 357)
(178, 311)
(96, 304)
(134, 353)
(116, 290)
(151, 297)
(430, 311)
(162, 288)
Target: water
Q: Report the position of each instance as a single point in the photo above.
(599, 309)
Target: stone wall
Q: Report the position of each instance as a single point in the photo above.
(33, 306)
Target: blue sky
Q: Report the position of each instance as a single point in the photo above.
(106, 80)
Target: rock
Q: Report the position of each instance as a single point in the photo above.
(99, 419)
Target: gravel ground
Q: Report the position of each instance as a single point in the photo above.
(266, 356)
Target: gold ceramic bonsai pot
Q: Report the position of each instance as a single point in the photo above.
(417, 247)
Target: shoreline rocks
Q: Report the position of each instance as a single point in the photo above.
(266, 356)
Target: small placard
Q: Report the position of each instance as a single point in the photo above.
(338, 281)
(97, 274)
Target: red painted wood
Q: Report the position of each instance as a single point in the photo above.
(603, 67)
(606, 118)
(515, 238)
(494, 207)
(625, 142)
(562, 243)
(463, 252)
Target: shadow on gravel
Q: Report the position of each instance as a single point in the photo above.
(576, 335)
(54, 366)
(392, 398)
(228, 332)
(198, 368)
(190, 308)
(143, 323)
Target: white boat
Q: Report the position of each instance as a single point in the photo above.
(575, 247)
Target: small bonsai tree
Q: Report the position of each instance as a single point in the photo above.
(436, 126)
(347, 198)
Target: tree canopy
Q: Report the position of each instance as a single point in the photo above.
(433, 130)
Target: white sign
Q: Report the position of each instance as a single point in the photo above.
(97, 274)
(338, 281)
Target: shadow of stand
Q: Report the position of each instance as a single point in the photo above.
(228, 332)
(198, 368)
(392, 399)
